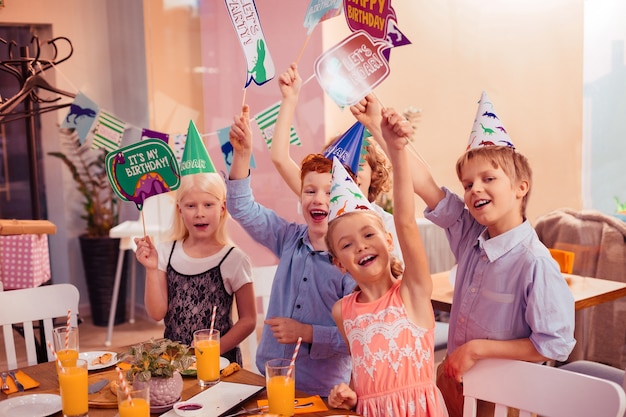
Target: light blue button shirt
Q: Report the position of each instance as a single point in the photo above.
(305, 288)
(507, 287)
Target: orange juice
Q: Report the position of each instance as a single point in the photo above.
(68, 357)
(140, 408)
(208, 360)
(281, 395)
(73, 382)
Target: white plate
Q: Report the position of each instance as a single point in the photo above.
(192, 372)
(34, 405)
(90, 356)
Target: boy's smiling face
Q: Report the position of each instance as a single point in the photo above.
(491, 197)
(315, 200)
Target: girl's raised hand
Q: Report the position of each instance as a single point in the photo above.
(367, 111)
(240, 134)
(290, 82)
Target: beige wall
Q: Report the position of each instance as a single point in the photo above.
(527, 56)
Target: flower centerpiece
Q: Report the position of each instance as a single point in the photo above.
(159, 364)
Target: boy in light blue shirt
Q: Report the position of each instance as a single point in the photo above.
(306, 284)
(510, 299)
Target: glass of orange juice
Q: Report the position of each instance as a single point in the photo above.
(281, 386)
(139, 403)
(66, 344)
(73, 383)
(206, 344)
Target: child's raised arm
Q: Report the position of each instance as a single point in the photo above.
(290, 84)
(241, 138)
(416, 278)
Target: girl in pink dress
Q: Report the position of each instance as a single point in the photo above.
(388, 323)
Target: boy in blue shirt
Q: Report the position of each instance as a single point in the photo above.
(510, 299)
(306, 284)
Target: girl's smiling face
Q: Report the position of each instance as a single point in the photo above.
(361, 246)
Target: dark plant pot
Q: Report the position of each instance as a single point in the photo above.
(99, 256)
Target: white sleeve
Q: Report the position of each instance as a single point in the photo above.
(236, 270)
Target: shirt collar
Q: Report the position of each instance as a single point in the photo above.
(304, 241)
(498, 246)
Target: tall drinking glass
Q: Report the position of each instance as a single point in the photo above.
(206, 344)
(138, 405)
(281, 386)
(66, 344)
(74, 382)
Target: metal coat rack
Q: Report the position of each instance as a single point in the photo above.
(28, 71)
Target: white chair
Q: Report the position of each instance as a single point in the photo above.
(540, 389)
(262, 278)
(23, 306)
(158, 212)
(599, 370)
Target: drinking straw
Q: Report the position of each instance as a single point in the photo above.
(124, 385)
(54, 354)
(68, 328)
(293, 357)
(213, 319)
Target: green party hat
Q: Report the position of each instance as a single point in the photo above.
(196, 159)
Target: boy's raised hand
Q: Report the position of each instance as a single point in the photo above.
(396, 129)
(290, 82)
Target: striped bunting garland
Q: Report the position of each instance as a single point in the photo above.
(108, 132)
(267, 121)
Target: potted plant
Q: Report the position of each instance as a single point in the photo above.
(100, 210)
(159, 363)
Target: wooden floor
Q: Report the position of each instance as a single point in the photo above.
(92, 338)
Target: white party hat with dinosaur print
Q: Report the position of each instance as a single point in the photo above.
(345, 195)
(487, 129)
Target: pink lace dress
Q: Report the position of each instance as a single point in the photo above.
(392, 359)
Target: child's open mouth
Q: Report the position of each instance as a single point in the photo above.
(318, 215)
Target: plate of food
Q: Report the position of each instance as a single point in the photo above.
(98, 359)
(192, 371)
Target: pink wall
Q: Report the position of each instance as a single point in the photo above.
(223, 95)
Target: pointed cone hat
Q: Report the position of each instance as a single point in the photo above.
(345, 195)
(488, 129)
(196, 159)
(347, 147)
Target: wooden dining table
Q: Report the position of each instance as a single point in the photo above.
(45, 374)
(587, 291)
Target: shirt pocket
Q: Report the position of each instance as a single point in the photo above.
(494, 313)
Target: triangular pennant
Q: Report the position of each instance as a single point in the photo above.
(81, 116)
(108, 132)
(266, 120)
(347, 148)
(345, 195)
(195, 158)
(227, 149)
(177, 143)
(151, 134)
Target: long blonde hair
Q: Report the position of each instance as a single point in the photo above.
(211, 183)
